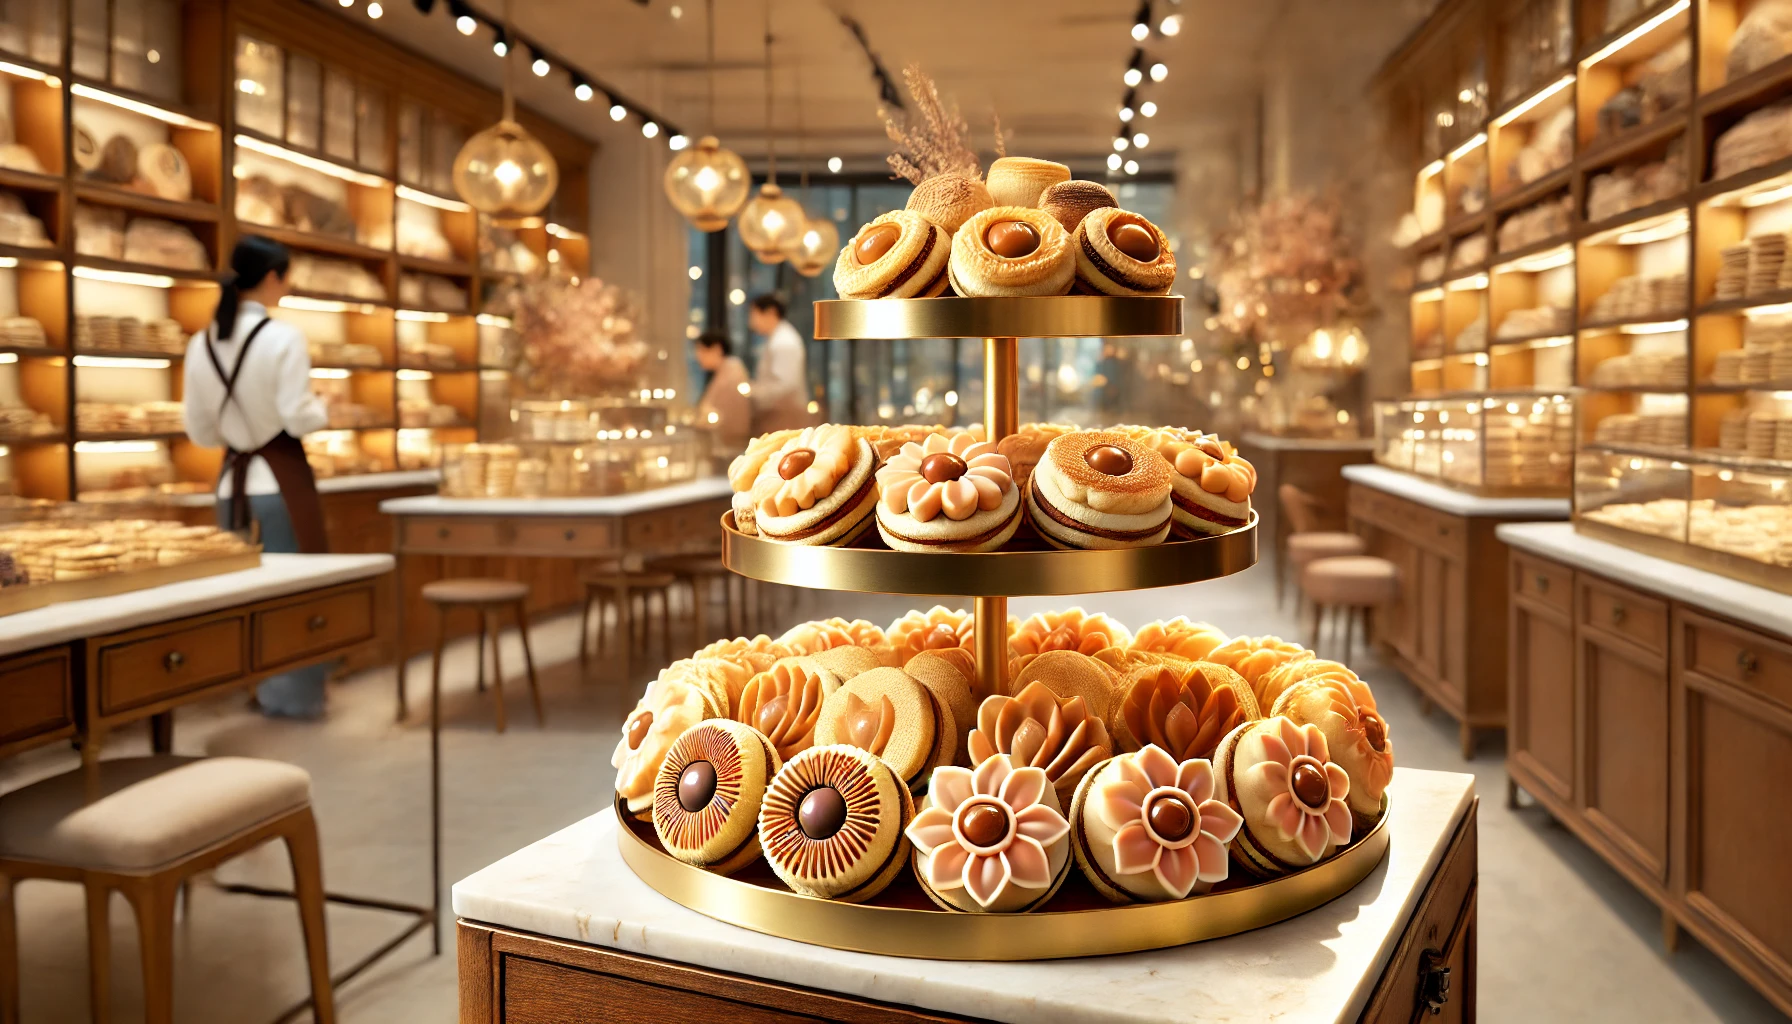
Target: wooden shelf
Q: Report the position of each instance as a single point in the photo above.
(1526, 339)
(1604, 154)
(130, 353)
(140, 202)
(129, 267)
(423, 265)
(169, 436)
(1515, 199)
(1534, 248)
(1672, 204)
(1737, 306)
(1741, 389)
(349, 300)
(1613, 325)
(1748, 90)
(27, 181)
(205, 117)
(308, 242)
(385, 177)
(1743, 179)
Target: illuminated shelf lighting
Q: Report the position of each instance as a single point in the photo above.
(122, 363)
(1549, 259)
(431, 199)
(139, 107)
(117, 447)
(1428, 295)
(1535, 101)
(1432, 169)
(1652, 229)
(1471, 283)
(1658, 327)
(1670, 13)
(125, 277)
(309, 162)
(8, 357)
(329, 374)
(1555, 342)
(8, 262)
(1428, 364)
(1468, 147)
(21, 71)
(421, 316)
(492, 320)
(416, 375)
(324, 305)
(1772, 309)
(563, 232)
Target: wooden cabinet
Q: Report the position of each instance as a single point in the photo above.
(1679, 732)
(37, 702)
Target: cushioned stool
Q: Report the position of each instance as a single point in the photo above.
(620, 588)
(487, 597)
(1353, 583)
(1309, 541)
(143, 826)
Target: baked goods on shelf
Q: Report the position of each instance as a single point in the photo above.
(110, 233)
(1762, 137)
(1280, 778)
(343, 354)
(18, 226)
(1632, 186)
(163, 335)
(993, 840)
(947, 495)
(1638, 297)
(50, 551)
(334, 277)
(431, 291)
(421, 413)
(1550, 147)
(1096, 489)
(119, 418)
(1012, 251)
(707, 794)
(900, 255)
(1121, 253)
(1549, 218)
(21, 422)
(1663, 369)
(819, 488)
(1148, 828)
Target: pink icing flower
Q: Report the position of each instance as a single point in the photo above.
(967, 476)
(1308, 807)
(1166, 819)
(987, 830)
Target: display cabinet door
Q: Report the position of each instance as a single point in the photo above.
(1541, 735)
(1623, 708)
(1400, 625)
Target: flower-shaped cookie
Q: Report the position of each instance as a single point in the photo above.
(955, 477)
(783, 703)
(1308, 807)
(1039, 729)
(1072, 630)
(1254, 657)
(1167, 827)
(1185, 711)
(936, 628)
(810, 464)
(815, 637)
(1205, 459)
(672, 704)
(995, 835)
(1330, 696)
(1178, 636)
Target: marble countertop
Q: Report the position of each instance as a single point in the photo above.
(379, 481)
(277, 576)
(1733, 599)
(1455, 502)
(706, 488)
(1319, 967)
(1272, 442)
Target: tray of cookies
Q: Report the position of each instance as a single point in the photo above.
(856, 787)
(53, 562)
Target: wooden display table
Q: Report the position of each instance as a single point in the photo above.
(1314, 465)
(1447, 632)
(1651, 713)
(562, 930)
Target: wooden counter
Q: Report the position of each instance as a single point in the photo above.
(1447, 631)
(1651, 705)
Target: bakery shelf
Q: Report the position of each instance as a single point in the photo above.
(1603, 154)
(1750, 90)
(106, 92)
(129, 353)
(1711, 456)
(28, 181)
(46, 256)
(1633, 389)
(1034, 571)
(1679, 22)
(457, 368)
(1778, 297)
(1524, 340)
(351, 302)
(382, 368)
(144, 203)
(1590, 233)
(147, 269)
(267, 145)
(308, 242)
(172, 435)
(1743, 389)
(424, 265)
(1044, 316)
(1718, 191)
(902, 922)
(1524, 252)
(1620, 324)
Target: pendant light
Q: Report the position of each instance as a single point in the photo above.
(771, 216)
(504, 171)
(708, 184)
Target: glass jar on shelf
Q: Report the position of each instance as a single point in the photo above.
(569, 469)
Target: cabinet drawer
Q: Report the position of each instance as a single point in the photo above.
(1546, 583)
(1437, 932)
(35, 696)
(144, 671)
(537, 992)
(1622, 612)
(560, 535)
(1437, 531)
(312, 626)
(427, 534)
(1739, 656)
(682, 528)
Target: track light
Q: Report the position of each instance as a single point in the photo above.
(677, 142)
(500, 47)
(1171, 25)
(1148, 108)
(1132, 77)
(424, 6)
(374, 10)
(1159, 72)
(618, 111)
(1141, 23)
(835, 163)
(1140, 140)
(1113, 161)
(1126, 113)
(466, 25)
(540, 64)
(649, 129)
(1120, 143)
(1132, 167)
(583, 92)
(348, 3)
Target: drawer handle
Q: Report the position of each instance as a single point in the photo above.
(442, 532)
(1542, 584)
(1618, 614)
(1443, 531)
(1746, 661)
(1434, 982)
(316, 622)
(173, 660)
(570, 534)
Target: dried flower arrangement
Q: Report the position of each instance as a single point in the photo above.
(576, 339)
(1285, 267)
(934, 138)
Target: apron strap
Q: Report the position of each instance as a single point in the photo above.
(284, 455)
(229, 379)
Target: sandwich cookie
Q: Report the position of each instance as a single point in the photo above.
(1179, 636)
(1145, 827)
(1026, 446)
(947, 495)
(1069, 674)
(900, 255)
(1212, 485)
(1070, 201)
(1279, 680)
(949, 200)
(784, 703)
(745, 470)
(1355, 734)
(1100, 490)
(1012, 250)
(1121, 253)
(707, 794)
(1020, 180)
(832, 824)
(1280, 778)
(847, 662)
(888, 713)
(935, 629)
(671, 705)
(1037, 728)
(824, 492)
(950, 674)
(993, 840)
(1184, 710)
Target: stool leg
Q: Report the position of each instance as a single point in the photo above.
(603, 615)
(1317, 622)
(625, 629)
(9, 955)
(308, 887)
(585, 630)
(435, 662)
(1349, 622)
(497, 668)
(99, 952)
(153, 900)
(480, 682)
(522, 630)
(699, 598)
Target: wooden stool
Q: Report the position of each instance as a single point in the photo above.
(487, 596)
(620, 588)
(1308, 540)
(700, 573)
(152, 823)
(1353, 583)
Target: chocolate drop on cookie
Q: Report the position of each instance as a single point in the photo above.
(941, 467)
(771, 713)
(1135, 240)
(791, 466)
(1110, 459)
(874, 242)
(637, 729)
(940, 636)
(984, 825)
(696, 786)
(821, 813)
(1012, 239)
(1310, 785)
(1375, 731)
(1170, 818)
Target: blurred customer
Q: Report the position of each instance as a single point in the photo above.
(725, 409)
(781, 380)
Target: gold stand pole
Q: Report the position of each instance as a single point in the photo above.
(1001, 412)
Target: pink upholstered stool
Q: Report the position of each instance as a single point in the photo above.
(1309, 541)
(1353, 583)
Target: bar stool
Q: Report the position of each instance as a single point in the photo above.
(620, 587)
(1353, 583)
(144, 826)
(1309, 541)
(700, 573)
(487, 597)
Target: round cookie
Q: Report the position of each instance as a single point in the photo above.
(950, 199)
(1355, 734)
(824, 493)
(821, 635)
(746, 469)
(1279, 776)
(672, 704)
(1122, 253)
(937, 628)
(784, 703)
(1211, 486)
(1020, 180)
(991, 840)
(947, 494)
(951, 675)
(707, 794)
(832, 824)
(1070, 630)
(1096, 489)
(1071, 201)
(1254, 657)
(1069, 674)
(900, 255)
(1010, 251)
(1146, 828)
(891, 714)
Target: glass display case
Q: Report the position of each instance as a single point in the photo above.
(1517, 443)
(568, 469)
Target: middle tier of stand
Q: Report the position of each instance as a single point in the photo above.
(1033, 316)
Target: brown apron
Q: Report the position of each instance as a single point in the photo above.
(284, 455)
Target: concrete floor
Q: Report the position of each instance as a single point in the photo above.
(1563, 937)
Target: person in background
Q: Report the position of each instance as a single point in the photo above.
(726, 409)
(248, 390)
(781, 379)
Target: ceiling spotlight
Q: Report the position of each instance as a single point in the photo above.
(677, 142)
(1148, 108)
(1159, 72)
(1132, 77)
(500, 48)
(374, 10)
(1113, 161)
(618, 111)
(583, 92)
(1125, 113)
(677, 12)
(1139, 31)
(1120, 143)
(650, 129)
(1171, 24)
(348, 3)
(540, 67)
(1132, 167)
(465, 25)
(1141, 140)
(835, 163)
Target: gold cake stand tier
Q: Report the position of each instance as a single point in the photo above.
(1011, 573)
(903, 923)
(1044, 316)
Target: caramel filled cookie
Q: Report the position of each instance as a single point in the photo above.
(1121, 253)
(1012, 250)
(706, 797)
(832, 824)
(900, 255)
(891, 714)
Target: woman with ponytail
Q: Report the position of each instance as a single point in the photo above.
(248, 391)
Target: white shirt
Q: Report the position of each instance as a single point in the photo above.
(273, 393)
(780, 381)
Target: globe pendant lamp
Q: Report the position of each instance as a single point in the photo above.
(503, 171)
(768, 221)
(707, 184)
(814, 248)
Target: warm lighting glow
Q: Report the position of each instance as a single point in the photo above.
(1532, 103)
(767, 222)
(1428, 295)
(1658, 233)
(116, 447)
(1431, 169)
(430, 199)
(813, 248)
(306, 160)
(696, 273)
(1469, 147)
(506, 172)
(124, 277)
(492, 320)
(1148, 108)
(312, 305)
(465, 25)
(421, 316)
(1660, 327)
(415, 375)
(1773, 309)
(139, 107)
(736, 297)
(328, 374)
(649, 129)
(122, 363)
(744, 388)
(1549, 259)
(618, 111)
(20, 71)
(707, 184)
(1671, 12)
(677, 143)
(834, 164)
(1472, 283)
